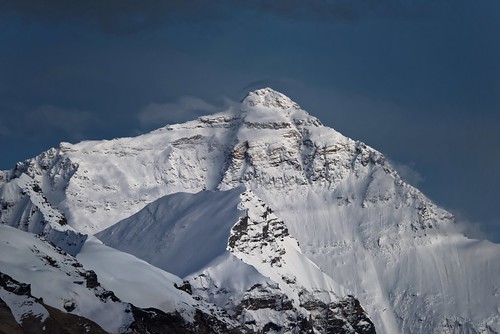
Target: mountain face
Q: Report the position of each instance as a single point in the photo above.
(264, 219)
(236, 253)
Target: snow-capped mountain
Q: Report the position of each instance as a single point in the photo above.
(265, 214)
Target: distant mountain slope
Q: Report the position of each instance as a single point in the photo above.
(382, 239)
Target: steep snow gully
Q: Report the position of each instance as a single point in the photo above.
(255, 219)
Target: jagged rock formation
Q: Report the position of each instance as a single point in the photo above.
(260, 277)
(260, 238)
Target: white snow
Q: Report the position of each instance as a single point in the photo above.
(292, 265)
(179, 233)
(27, 259)
(135, 281)
(186, 233)
(30, 211)
(225, 280)
(23, 306)
(353, 216)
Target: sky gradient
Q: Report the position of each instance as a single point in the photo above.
(417, 80)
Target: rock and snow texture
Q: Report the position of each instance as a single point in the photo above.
(135, 281)
(24, 206)
(59, 279)
(17, 297)
(145, 286)
(261, 239)
(41, 286)
(20, 313)
(236, 253)
(402, 256)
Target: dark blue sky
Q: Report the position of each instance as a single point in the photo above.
(417, 80)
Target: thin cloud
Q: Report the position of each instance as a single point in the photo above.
(186, 108)
(48, 118)
(278, 83)
(472, 229)
(407, 173)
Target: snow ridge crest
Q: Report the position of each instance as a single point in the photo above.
(269, 98)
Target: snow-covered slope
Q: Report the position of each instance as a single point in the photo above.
(44, 287)
(20, 313)
(180, 233)
(146, 286)
(237, 254)
(25, 207)
(377, 236)
(59, 279)
(135, 281)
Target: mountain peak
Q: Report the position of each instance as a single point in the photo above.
(269, 98)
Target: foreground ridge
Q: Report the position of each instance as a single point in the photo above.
(259, 275)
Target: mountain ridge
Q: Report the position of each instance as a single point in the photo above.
(350, 211)
(267, 280)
